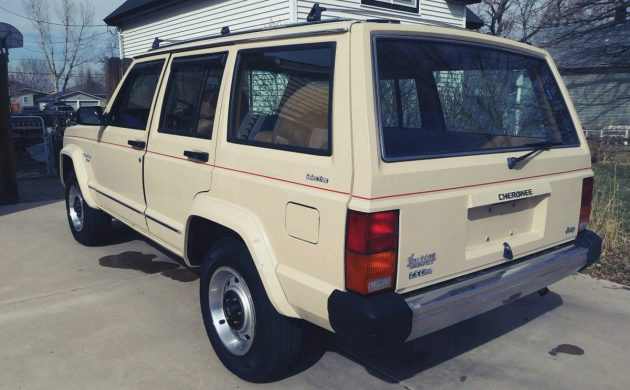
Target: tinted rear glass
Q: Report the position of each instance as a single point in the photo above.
(439, 98)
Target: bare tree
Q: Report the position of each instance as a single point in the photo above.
(72, 24)
(497, 16)
(546, 22)
(87, 81)
(110, 46)
(31, 73)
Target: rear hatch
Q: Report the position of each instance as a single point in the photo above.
(450, 116)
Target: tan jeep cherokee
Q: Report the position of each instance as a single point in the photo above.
(380, 180)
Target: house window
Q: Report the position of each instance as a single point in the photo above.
(399, 5)
(25, 99)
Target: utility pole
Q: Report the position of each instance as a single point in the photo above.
(10, 38)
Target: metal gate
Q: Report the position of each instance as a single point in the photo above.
(33, 147)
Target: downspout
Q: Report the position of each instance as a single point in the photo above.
(293, 11)
(121, 43)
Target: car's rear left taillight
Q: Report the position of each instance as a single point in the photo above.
(371, 251)
(585, 206)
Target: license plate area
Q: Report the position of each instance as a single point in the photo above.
(505, 221)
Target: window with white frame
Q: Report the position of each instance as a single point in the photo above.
(401, 5)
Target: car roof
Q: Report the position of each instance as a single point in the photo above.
(338, 26)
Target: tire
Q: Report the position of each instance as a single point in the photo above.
(263, 343)
(88, 226)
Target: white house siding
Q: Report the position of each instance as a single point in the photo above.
(203, 20)
(198, 20)
(431, 11)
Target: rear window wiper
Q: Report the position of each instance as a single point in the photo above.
(538, 147)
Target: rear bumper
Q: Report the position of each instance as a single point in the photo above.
(391, 317)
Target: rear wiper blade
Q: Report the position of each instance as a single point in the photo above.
(538, 147)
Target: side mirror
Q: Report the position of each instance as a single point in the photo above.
(90, 116)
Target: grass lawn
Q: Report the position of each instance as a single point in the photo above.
(611, 217)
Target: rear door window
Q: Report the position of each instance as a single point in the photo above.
(282, 97)
(191, 96)
(438, 98)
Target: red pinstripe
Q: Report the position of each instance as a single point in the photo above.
(342, 192)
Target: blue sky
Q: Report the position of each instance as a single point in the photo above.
(31, 49)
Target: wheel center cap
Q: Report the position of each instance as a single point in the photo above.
(77, 207)
(233, 309)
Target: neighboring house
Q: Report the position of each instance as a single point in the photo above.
(27, 97)
(73, 98)
(596, 70)
(141, 21)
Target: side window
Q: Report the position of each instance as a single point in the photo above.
(191, 96)
(282, 98)
(133, 102)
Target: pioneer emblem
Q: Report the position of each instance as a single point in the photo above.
(414, 262)
(507, 251)
(516, 194)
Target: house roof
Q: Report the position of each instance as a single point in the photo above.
(66, 94)
(132, 9)
(27, 91)
(473, 22)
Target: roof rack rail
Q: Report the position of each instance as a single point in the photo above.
(225, 32)
(315, 15)
(157, 41)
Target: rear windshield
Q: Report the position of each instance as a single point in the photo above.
(438, 99)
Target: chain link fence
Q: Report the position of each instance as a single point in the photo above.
(37, 142)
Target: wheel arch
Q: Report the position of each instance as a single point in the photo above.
(219, 218)
(71, 160)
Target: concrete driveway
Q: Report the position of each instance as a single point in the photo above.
(126, 316)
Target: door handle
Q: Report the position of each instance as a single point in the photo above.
(137, 144)
(200, 156)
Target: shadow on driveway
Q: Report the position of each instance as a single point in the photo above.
(390, 364)
(395, 364)
(174, 269)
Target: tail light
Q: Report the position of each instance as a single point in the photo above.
(371, 251)
(585, 207)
